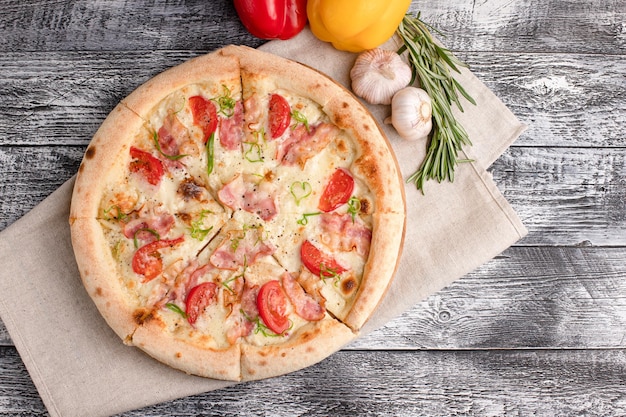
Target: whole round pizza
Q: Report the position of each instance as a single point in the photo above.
(238, 216)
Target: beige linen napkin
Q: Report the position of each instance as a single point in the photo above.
(81, 368)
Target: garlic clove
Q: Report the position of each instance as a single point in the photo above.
(411, 113)
(378, 74)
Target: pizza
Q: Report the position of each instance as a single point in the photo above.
(238, 216)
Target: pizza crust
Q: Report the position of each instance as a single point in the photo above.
(96, 266)
(309, 345)
(104, 157)
(207, 361)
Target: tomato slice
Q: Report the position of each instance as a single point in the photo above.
(204, 115)
(272, 305)
(318, 262)
(148, 166)
(338, 190)
(279, 115)
(198, 298)
(147, 260)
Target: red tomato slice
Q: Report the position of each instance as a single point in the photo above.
(148, 166)
(147, 260)
(318, 262)
(337, 191)
(272, 305)
(279, 115)
(204, 115)
(198, 298)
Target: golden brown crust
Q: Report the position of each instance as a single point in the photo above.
(216, 68)
(309, 345)
(375, 164)
(96, 265)
(104, 156)
(386, 247)
(193, 358)
(284, 74)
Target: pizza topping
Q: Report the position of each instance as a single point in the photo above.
(147, 260)
(279, 115)
(170, 137)
(226, 103)
(251, 195)
(302, 143)
(241, 248)
(253, 112)
(341, 232)
(337, 191)
(204, 115)
(299, 118)
(272, 305)
(318, 262)
(231, 129)
(149, 167)
(248, 301)
(198, 230)
(304, 305)
(210, 153)
(191, 190)
(239, 326)
(199, 298)
(300, 190)
(160, 225)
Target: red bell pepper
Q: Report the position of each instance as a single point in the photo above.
(272, 19)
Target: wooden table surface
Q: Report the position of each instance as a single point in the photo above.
(539, 330)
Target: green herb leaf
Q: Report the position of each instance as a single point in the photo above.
(354, 207)
(197, 230)
(151, 231)
(114, 213)
(176, 309)
(300, 190)
(433, 65)
(225, 103)
(304, 220)
(299, 118)
(210, 153)
(155, 139)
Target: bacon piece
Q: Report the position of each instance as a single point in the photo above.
(340, 232)
(239, 248)
(304, 305)
(248, 300)
(250, 195)
(231, 129)
(241, 324)
(302, 144)
(161, 224)
(252, 110)
(172, 135)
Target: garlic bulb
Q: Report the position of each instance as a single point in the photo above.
(411, 113)
(378, 74)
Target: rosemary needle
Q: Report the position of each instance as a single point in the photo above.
(433, 65)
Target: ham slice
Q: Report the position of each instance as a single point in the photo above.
(231, 129)
(241, 322)
(303, 143)
(241, 247)
(341, 233)
(160, 224)
(304, 305)
(246, 193)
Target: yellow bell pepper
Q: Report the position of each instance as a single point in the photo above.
(355, 25)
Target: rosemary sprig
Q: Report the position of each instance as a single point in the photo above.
(433, 64)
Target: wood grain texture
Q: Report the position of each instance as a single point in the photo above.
(539, 330)
(490, 383)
